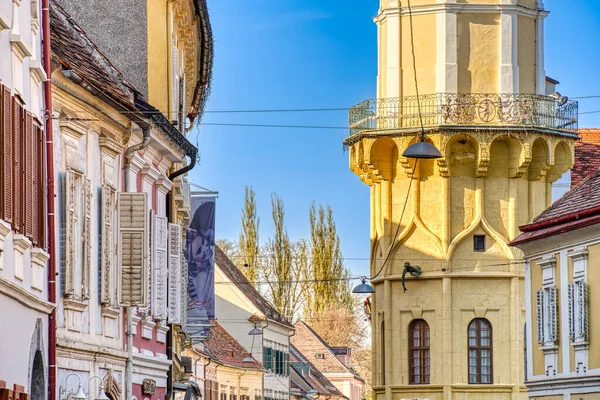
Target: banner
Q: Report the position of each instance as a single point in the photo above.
(200, 250)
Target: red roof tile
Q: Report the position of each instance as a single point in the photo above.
(223, 348)
(575, 209)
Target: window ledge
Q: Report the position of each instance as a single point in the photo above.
(110, 312)
(549, 348)
(580, 345)
(21, 243)
(75, 304)
(35, 66)
(39, 257)
(19, 47)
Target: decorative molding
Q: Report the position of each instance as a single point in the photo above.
(135, 319)
(109, 147)
(164, 184)
(463, 8)
(147, 328)
(72, 128)
(579, 253)
(75, 305)
(161, 333)
(19, 47)
(150, 174)
(39, 258)
(4, 22)
(5, 229)
(24, 297)
(20, 244)
(36, 70)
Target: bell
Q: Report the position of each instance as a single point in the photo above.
(422, 149)
(363, 288)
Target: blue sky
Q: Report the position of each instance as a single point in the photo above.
(298, 54)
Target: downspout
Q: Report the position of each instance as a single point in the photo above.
(49, 199)
(147, 130)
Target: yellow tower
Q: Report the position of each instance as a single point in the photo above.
(457, 333)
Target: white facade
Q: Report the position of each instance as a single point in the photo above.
(235, 312)
(23, 266)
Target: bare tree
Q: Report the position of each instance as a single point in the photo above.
(248, 243)
(230, 248)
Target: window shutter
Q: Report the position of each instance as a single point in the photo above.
(87, 239)
(150, 289)
(175, 292)
(553, 315)
(29, 184)
(582, 335)
(70, 231)
(108, 207)
(132, 239)
(175, 76)
(540, 315)
(181, 111)
(18, 166)
(41, 186)
(571, 305)
(160, 267)
(7, 155)
(36, 186)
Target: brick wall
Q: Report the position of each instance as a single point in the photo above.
(587, 155)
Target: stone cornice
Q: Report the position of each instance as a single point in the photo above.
(109, 147)
(75, 129)
(18, 46)
(24, 297)
(579, 253)
(21, 243)
(39, 256)
(36, 69)
(164, 185)
(150, 174)
(464, 8)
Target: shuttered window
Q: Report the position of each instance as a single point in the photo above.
(7, 155)
(22, 170)
(106, 281)
(132, 239)
(160, 267)
(578, 311)
(175, 297)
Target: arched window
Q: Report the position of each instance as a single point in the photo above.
(418, 352)
(480, 351)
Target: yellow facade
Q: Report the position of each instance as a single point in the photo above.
(479, 68)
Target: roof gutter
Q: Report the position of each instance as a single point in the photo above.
(560, 220)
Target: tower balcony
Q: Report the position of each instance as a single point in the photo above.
(468, 111)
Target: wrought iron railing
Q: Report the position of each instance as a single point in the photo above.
(446, 109)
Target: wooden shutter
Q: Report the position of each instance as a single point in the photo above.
(151, 261)
(175, 292)
(553, 314)
(87, 239)
(571, 305)
(540, 315)
(35, 186)
(107, 235)
(28, 163)
(582, 305)
(41, 186)
(69, 231)
(132, 240)
(160, 237)
(7, 155)
(18, 166)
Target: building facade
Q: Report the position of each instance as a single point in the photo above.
(441, 227)
(117, 161)
(308, 382)
(165, 51)
(223, 369)
(562, 296)
(332, 362)
(240, 309)
(23, 232)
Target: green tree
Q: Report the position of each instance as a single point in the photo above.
(248, 243)
(285, 266)
(329, 276)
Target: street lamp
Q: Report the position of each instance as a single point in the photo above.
(255, 331)
(364, 287)
(560, 99)
(81, 394)
(422, 149)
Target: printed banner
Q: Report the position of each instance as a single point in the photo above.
(200, 250)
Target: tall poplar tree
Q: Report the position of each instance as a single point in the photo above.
(248, 244)
(285, 266)
(329, 276)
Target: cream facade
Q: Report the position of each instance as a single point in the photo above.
(23, 248)
(457, 332)
(562, 249)
(240, 308)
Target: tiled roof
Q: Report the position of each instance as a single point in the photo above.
(587, 155)
(310, 343)
(224, 349)
(314, 378)
(248, 290)
(577, 208)
(75, 51)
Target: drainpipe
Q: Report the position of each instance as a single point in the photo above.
(49, 199)
(147, 130)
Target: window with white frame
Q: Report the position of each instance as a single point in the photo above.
(547, 310)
